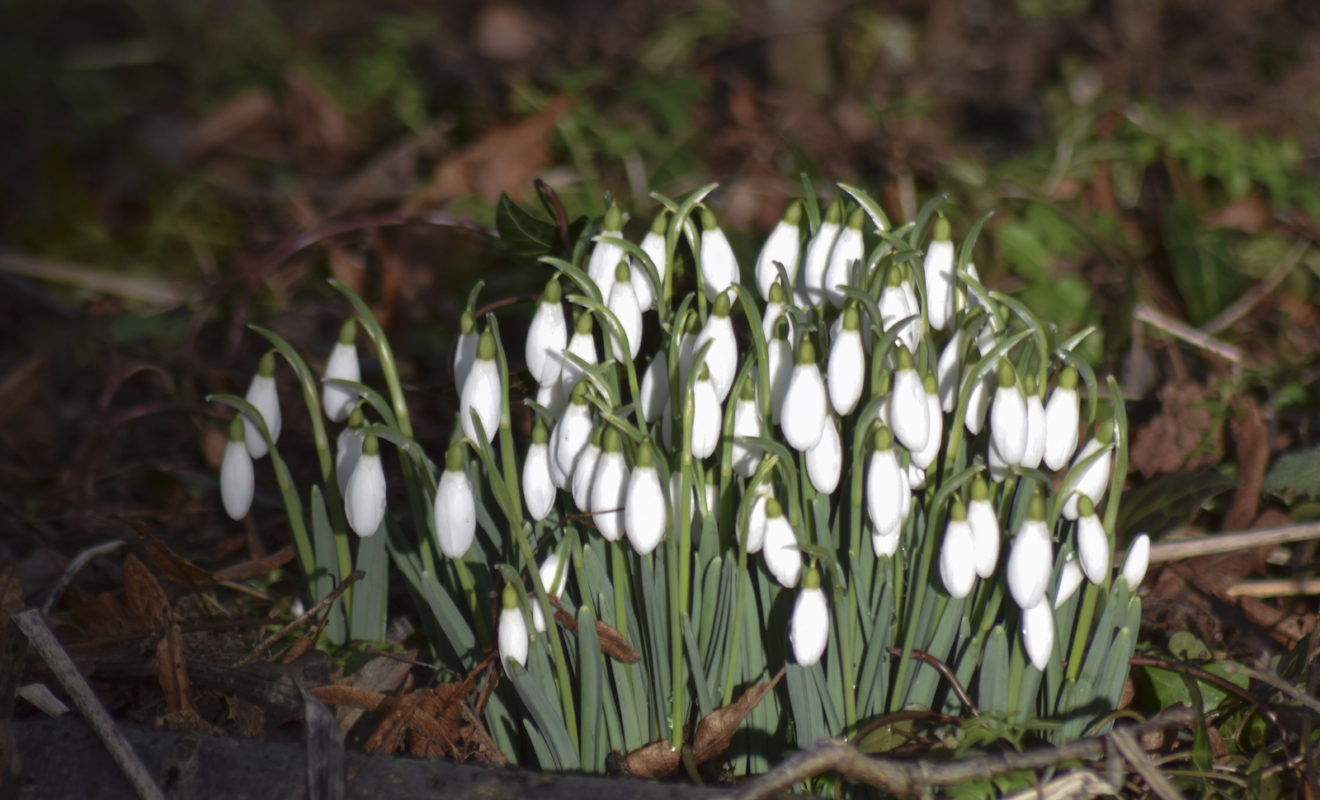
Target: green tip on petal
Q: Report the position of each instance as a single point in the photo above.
(348, 332)
(660, 224)
(540, 434)
(356, 420)
(613, 219)
(708, 222)
(1028, 384)
(612, 442)
(905, 359)
(882, 439)
(1036, 508)
(773, 509)
(812, 579)
(1085, 507)
(1005, 375)
(579, 395)
(980, 491)
(748, 391)
(894, 276)
(693, 324)
(455, 461)
(959, 511)
(645, 458)
(553, 292)
(236, 429)
(721, 307)
(781, 329)
(370, 446)
(1068, 378)
(806, 352)
(776, 292)
(467, 324)
(266, 366)
(582, 324)
(793, 215)
(929, 383)
(598, 437)
(852, 320)
(941, 229)
(510, 597)
(1104, 431)
(834, 213)
(621, 273)
(857, 219)
(704, 373)
(486, 346)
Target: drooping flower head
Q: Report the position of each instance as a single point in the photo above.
(1032, 558)
(653, 245)
(1062, 415)
(455, 509)
(811, 278)
(605, 255)
(781, 247)
(908, 412)
(342, 365)
(364, 497)
(719, 267)
(482, 392)
(802, 418)
(722, 357)
(537, 486)
(609, 489)
(623, 304)
(780, 549)
(512, 630)
(958, 553)
(809, 627)
(645, 507)
(236, 478)
(547, 336)
(844, 256)
(264, 396)
(847, 364)
(939, 268)
(465, 349)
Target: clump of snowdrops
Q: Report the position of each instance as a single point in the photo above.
(849, 460)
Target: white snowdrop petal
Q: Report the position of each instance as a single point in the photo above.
(809, 626)
(1062, 416)
(780, 551)
(884, 489)
(825, 460)
(908, 412)
(756, 520)
(811, 278)
(958, 559)
(1093, 548)
(802, 418)
(465, 355)
(645, 514)
(364, 497)
(538, 488)
(548, 570)
(885, 544)
(1008, 424)
(780, 355)
(722, 357)
(747, 424)
(1092, 481)
(948, 372)
(1038, 633)
(584, 474)
(846, 371)
(985, 536)
(847, 251)
(513, 637)
(608, 493)
(655, 388)
(707, 419)
(719, 267)
(455, 513)
(1036, 433)
(1136, 562)
(653, 244)
(1030, 562)
(623, 304)
(342, 365)
(348, 449)
(924, 457)
(939, 268)
(264, 396)
(482, 394)
(571, 433)
(781, 246)
(1070, 578)
(237, 482)
(547, 336)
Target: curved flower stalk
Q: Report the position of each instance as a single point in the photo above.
(1062, 419)
(780, 548)
(264, 396)
(348, 449)
(707, 418)
(609, 489)
(537, 486)
(455, 508)
(722, 357)
(985, 529)
(512, 631)
(781, 247)
(645, 506)
(237, 483)
(554, 577)
(958, 553)
(1136, 562)
(605, 255)
(908, 412)
(848, 251)
(719, 267)
(1037, 431)
(825, 460)
(364, 497)
(809, 627)
(1094, 478)
(939, 268)
(482, 392)
(811, 277)
(846, 367)
(571, 433)
(343, 365)
(1008, 416)
(802, 417)
(584, 469)
(653, 244)
(1038, 633)
(1032, 557)
(747, 425)
(1092, 542)
(465, 349)
(547, 336)
(885, 485)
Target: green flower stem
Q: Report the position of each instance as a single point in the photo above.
(470, 595)
(552, 633)
(682, 565)
(383, 351)
(507, 458)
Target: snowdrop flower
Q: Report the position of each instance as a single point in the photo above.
(1062, 415)
(958, 553)
(722, 357)
(655, 388)
(584, 469)
(482, 392)
(780, 549)
(985, 529)
(755, 532)
(1092, 542)
(825, 460)
(1094, 479)
(1032, 558)
(571, 433)
(605, 256)
(653, 245)
(553, 397)
(948, 372)
(348, 449)
(908, 412)
(780, 354)
(1070, 578)
(847, 364)
(554, 577)
(1038, 633)
(1000, 469)
(1138, 559)
(455, 508)
(1008, 416)
(538, 489)
(465, 349)
(623, 304)
(811, 278)
(802, 417)
(916, 477)
(608, 491)
(885, 484)
(236, 479)
(780, 246)
(1036, 428)
(645, 506)
(264, 396)
(847, 252)
(342, 365)
(939, 267)
(747, 424)
(707, 419)
(364, 497)
(774, 309)
(809, 627)
(894, 306)
(512, 631)
(547, 336)
(978, 403)
(719, 267)
(583, 345)
(924, 457)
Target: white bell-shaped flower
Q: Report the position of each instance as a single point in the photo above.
(645, 507)
(846, 367)
(924, 457)
(348, 449)
(655, 387)
(537, 487)
(848, 251)
(1038, 633)
(653, 244)
(342, 365)
(1094, 479)
(1136, 562)
(782, 246)
(237, 482)
(780, 549)
(465, 349)
(939, 267)
(364, 497)
(780, 355)
(894, 306)
(802, 417)
(1092, 542)
(623, 304)
(1062, 418)
(722, 357)
(948, 372)
(816, 260)
(1031, 559)
(482, 392)
(554, 577)
(553, 397)
(958, 553)
(985, 529)
(455, 508)
(978, 403)
(707, 417)
(825, 460)
(512, 631)
(1037, 431)
(264, 396)
(916, 476)
(1000, 469)
(809, 626)
(774, 310)
(885, 484)
(908, 412)
(1070, 579)
(605, 255)
(547, 336)
(1008, 415)
(719, 267)
(584, 469)
(755, 532)
(581, 344)
(747, 424)
(571, 433)
(609, 491)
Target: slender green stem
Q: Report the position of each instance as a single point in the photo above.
(1082, 633)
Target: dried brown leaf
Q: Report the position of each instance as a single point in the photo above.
(612, 643)
(257, 567)
(173, 566)
(1251, 440)
(1183, 435)
(145, 599)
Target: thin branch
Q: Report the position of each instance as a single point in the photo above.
(251, 657)
(1258, 292)
(1187, 333)
(946, 673)
(1232, 542)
